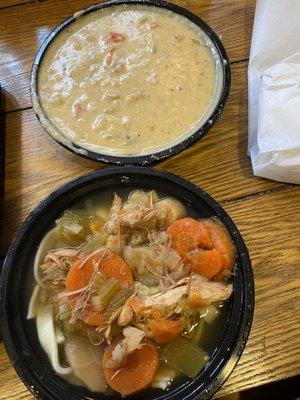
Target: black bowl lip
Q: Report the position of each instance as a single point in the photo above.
(191, 390)
(149, 158)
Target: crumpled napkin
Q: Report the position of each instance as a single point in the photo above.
(274, 91)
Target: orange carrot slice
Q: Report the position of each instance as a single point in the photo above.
(205, 262)
(164, 330)
(137, 373)
(222, 242)
(205, 246)
(80, 274)
(92, 317)
(113, 266)
(110, 264)
(188, 234)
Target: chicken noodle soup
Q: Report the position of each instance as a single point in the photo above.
(128, 80)
(127, 293)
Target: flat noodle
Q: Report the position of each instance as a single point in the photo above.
(33, 303)
(48, 243)
(48, 340)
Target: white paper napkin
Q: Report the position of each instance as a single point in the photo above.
(274, 91)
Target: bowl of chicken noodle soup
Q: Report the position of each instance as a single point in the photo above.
(130, 82)
(126, 282)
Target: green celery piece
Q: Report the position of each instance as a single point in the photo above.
(150, 280)
(74, 226)
(209, 314)
(109, 289)
(185, 356)
(119, 299)
(94, 242)
(198, 332)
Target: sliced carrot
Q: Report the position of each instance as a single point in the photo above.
(111, 265)
(78, 277)
(188, 234)
(164, 329)
(80, 274)
(137, 373)
(205, 262)
(222, 242)
(204, 246)
(92, 317)
(195, 301)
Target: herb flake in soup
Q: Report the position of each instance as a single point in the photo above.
(128, 80)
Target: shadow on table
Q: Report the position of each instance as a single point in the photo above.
(10, 174)
(286, 389)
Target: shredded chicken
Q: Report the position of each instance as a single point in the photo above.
(208, 290)
(56, 266)
(130, 215)
(132, 341)
(116, 243)
(125, 316)
(113, 224)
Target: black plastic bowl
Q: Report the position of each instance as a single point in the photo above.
(16, 284)
(223, 66)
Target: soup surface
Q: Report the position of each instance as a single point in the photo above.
(131, 293)
(128, 80)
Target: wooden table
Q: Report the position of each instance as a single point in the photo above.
(266, 212)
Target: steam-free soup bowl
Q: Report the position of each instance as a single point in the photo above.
(213, 43)
(20, 336)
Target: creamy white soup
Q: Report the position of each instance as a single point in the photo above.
(127, 80)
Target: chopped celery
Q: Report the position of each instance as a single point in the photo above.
(101, 212)
(94, 242)
(198, 332)
(65, 315)
(108, 290)
(90, 208)
(185, 356)
(97, 303)
(64, 310)
(74, 226)
(78, 328)
(98, 281)
(209, 314)
(119, 299)
(149, 280)
(115, 330)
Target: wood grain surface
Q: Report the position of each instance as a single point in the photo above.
(266, 212)
(10, 3)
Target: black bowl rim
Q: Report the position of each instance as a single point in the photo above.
(149, 158)
(240, 328)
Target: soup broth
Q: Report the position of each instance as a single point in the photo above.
(128, 80)
(117, 282)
